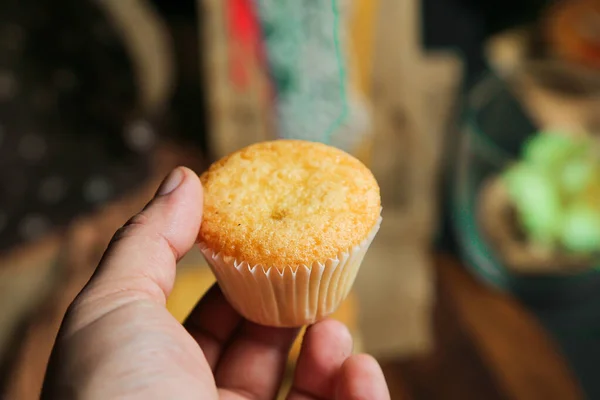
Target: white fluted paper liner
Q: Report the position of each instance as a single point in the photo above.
(291, 297)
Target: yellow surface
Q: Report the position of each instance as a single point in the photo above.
(193, 282)
(362, 27)
(190, 286)
(362, 34)
(260, 200)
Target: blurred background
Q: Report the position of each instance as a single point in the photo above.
(463, 295)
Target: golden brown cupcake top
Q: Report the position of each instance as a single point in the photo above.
(288, 203)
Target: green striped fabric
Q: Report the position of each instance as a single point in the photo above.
(304, 44)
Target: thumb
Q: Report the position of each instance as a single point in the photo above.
(141, 259)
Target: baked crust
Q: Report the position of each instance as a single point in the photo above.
(288, 203)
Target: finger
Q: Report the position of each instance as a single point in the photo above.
(325, 347)
(360, 378)
(212, 323)
(141, 259)
(252, 367)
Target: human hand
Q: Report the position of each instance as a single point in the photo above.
(119, 341)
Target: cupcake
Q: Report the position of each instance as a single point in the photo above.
(286, 226)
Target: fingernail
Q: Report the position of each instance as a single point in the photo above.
(171, 182)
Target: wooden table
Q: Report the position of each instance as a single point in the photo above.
(487, 347)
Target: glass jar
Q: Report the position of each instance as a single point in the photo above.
(494, 128)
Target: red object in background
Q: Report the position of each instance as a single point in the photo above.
(246, 47)
(574, 31)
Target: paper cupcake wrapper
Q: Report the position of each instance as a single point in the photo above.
(292, 296)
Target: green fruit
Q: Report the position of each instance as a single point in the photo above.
(537, 201)
(581, 230)
(550, 150)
